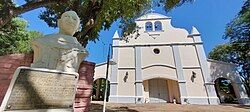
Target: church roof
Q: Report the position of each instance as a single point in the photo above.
(152, 16)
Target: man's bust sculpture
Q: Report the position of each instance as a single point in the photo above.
(60, 51)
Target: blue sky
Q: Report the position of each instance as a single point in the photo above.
(208, 16)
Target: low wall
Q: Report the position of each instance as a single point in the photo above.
(84, 87)
(9, 63)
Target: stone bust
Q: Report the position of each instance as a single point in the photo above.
(60, 51)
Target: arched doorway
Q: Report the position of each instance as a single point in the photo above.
(99, 90)
(225, 90)
(162, 90)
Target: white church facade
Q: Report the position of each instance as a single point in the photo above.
(161, 63)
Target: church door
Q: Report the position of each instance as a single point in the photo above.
(157, 91)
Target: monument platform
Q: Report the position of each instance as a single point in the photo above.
(40, 90)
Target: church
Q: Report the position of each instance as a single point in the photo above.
(160, 63)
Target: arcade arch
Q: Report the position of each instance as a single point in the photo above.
(99, 89)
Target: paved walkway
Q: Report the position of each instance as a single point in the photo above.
(163, 107)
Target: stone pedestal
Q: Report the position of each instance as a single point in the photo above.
(34, 89)
(9, 63)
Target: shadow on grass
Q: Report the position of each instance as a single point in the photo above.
(237, 106)
(95, 107)
(242, 106)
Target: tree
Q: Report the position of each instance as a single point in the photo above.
(14, 38)
(223, 53)
(237, 51)
(95, 14)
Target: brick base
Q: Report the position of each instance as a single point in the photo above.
(84, 87)
(8, 65)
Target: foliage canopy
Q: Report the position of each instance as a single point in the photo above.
(15, 38)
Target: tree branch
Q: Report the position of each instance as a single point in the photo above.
(75, 6)
(15, 11)
(93, 7)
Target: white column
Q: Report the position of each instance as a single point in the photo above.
(114, 70)
(179, 71)
(209, 85)
(138, 76)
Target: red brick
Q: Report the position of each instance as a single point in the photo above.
(5, 65)
(2, 57)
(4, 60)
(83, 93)
(14, 67)
(4, 83)
(81, 82)
(1, 99)
(81, 104)
(27, 64)
(4, 76)
(83, 69)
(17, 56)
(10, 61)
(81, 109)
(10, 76)
(6, 71)
(82, 76)
(29, 55)
(82, 86)
(4, 86)
(86, 77)
(22, 62)
(85, 82)
(3, 90)
(78, 100)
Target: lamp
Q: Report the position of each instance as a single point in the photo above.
(193, 74)
(109, 62)
(112, 62)
(125, 77)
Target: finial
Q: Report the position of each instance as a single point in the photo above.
(194, 30)
(151, 10)
(116, 35)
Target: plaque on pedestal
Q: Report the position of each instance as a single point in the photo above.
(43, 90)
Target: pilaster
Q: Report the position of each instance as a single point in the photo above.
(179, 72)
(138, 76)
(114, 70)
(209, 85)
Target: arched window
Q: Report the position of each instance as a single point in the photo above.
(148, 26)
(158, 26)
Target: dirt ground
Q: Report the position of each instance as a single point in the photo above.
(166, 107)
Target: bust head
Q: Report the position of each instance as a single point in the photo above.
(68, 23)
